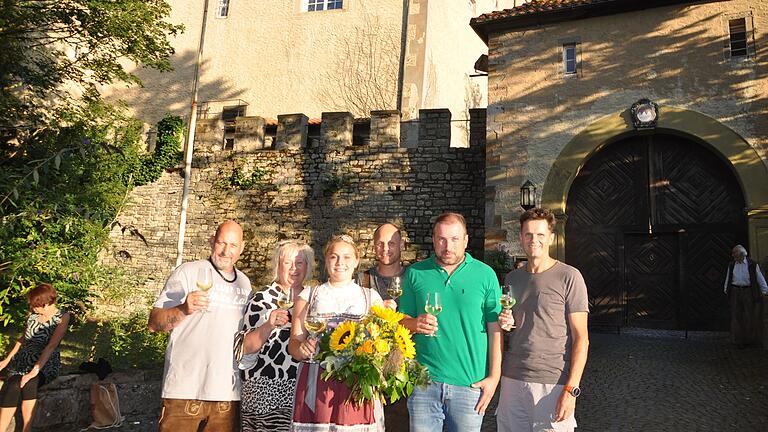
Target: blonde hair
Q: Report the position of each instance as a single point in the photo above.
(343, 238)
(285, 246)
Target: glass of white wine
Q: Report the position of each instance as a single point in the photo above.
(395, 288)
(285, 301)
(315, 325)
(204, 280)
(507, 300)
(433, 307)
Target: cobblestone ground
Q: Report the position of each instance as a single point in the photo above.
(660, 381)
(652, 381)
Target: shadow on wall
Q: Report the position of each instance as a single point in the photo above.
(172, 92)
(534, 109)
(317, 182)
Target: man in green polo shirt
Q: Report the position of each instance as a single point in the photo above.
(461, 344)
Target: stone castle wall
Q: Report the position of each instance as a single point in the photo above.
(310, 189)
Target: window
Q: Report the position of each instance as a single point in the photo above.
(740, 44)
(738, 34)
(222, 10)
(229, 115)
(318, 5)
(569, 59)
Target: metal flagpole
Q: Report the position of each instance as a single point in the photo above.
(190, 143)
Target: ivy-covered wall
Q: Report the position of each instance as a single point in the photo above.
(308, 188)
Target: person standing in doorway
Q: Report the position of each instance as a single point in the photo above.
(745, 285)
(548, 347)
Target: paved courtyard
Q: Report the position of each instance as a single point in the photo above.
(654, 381)
(660, 381)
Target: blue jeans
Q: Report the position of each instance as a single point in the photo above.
(440, 403)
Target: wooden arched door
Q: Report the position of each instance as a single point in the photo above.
(650, 223)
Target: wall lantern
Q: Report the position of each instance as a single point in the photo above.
(528, 195)
(645, 114)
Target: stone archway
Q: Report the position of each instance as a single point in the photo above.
(749, 169)
(730, 155)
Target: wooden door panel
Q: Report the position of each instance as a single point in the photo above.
(651, 266)
(669, 187)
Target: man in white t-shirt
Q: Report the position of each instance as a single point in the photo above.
(201, 383)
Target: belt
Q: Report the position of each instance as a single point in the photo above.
(741, 286)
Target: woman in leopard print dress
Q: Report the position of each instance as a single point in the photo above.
(269, 371)
(34, 359)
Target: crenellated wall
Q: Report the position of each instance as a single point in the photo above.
(310, 188)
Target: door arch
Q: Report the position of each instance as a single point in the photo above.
(651, 219)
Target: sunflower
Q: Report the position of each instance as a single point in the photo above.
(387, 314)
(404, 342)
(382, 347)
(365, 348)
(342, 336)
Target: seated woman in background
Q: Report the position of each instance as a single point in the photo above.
(322, 405)
(34, 359)
(269, 371)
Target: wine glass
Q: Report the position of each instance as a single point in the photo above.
(395, 288)
(315, 323)
(204, 280)
(433, 307)
(507, 300)
(285, 301)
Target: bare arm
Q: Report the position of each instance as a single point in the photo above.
(58, 335)
(577, 322)
(257, 337)
(424, 323)
(166, 319)
(12, 353)
(300, 347)
(489, 383)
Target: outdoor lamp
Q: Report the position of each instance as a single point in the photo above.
(645, 114)
(528, 195)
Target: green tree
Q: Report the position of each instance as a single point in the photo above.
(55, 50)
(68, 158)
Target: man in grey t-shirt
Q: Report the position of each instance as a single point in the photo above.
(388, 244)
(548, 347)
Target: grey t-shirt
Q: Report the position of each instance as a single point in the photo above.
(373, 279)
(540, 346)
(199, 360)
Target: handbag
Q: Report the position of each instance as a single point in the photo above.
(105, 406)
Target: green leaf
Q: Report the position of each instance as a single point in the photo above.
(35, 176)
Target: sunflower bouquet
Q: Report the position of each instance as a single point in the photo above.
(373, 357)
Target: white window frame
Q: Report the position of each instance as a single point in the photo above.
(563, 47)
(570, 47)
(222, 9)
(306, 4)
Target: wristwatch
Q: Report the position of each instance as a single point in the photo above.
(574, 391)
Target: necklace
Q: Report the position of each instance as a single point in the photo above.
(222, 276)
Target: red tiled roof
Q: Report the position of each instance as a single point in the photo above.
(544, 12)
(536, 6)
